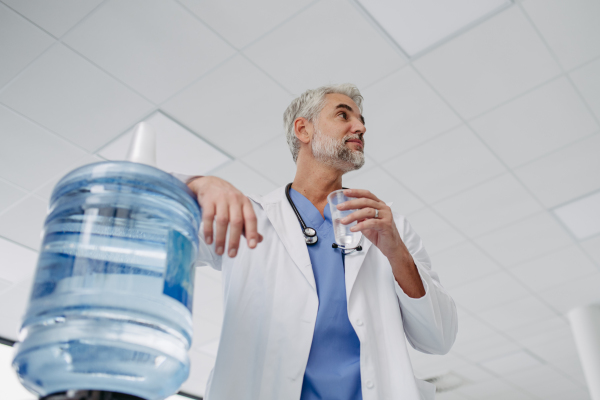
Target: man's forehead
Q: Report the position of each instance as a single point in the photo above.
(333, 99)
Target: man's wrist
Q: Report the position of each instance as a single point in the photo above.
(193, 178)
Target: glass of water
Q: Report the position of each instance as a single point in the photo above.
(343, 235)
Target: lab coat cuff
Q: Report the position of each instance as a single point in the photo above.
(420, 308)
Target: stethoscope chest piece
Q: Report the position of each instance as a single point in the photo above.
(310, 235)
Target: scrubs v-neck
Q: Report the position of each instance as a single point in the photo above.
(333, 368)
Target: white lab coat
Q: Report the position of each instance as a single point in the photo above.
(271, 303)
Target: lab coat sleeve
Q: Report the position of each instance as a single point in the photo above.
(206, 254)
(430, 322)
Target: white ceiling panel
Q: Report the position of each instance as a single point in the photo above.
(45, 191)
(485, 390)
(555, 350)
(592, 247)
(177, 149)
(525, 240)
(487, 348)
(492, 63)
(74, 99)
(472, 373)
(565, 174)
(587, 81)
(20, 43)
(13, 303)
(30, 155)
(337, 45)
(495, 203)
(16, 262)
(539, 332)
(23, 222)
(536, 123)
(245, 179)
(569, 26)
(201, 365)
(487, 292)
(542, 381)
(387, 189)
(452, 395)
(512, 394)
(56, 17)
(436, 234)
(429, 365)
(205, 331)
(9, 194)
(154, 46)
(517, 313)
(554, 269)
(470, 330)
(518, 361)
(403, 111)
(237, 108)
(241, 22)
(274, 160)
(571, 366)
(462, 263)
(574, 293)
(445, 165)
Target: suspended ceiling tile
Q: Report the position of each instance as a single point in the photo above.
(337, 45)
(154, 46)
(517, 313)
(205, 331)
(45, 191)
(13, 303)
(20, 43)
(565, 174)
(554, 269)
(387, 189)
(487, 348)
(489, 64)
(540, 332)
(470, 330)
(462, 263)
(445, 165)
(574, 293)
(514, 394)
(484, 390)
(245, 179)
(30, 155)
(592, 247)
(495, 203)
(237, 107)
(16, 262)
(490, 291)
(71, 97)
(587, 81)
(9, 194)
(402, 111)
(56, 17)
(436, 234)
(23, 223)
(543, 381)
(473, 373)
(536, 123)
(525, 240)
(572, 367)
(555, 350)
(241, 22)
(570, 27)
(274, 160)
(519, 361)
(177, 149)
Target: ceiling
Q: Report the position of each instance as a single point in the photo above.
(476, 141)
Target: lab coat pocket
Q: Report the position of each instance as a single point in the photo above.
(426, 389)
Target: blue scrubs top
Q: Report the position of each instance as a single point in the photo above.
(333, 368)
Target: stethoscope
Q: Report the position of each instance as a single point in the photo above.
(310, 234)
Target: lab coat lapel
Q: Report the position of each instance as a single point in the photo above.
(353, 263)
(285, 223)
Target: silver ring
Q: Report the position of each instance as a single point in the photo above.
(376, 213)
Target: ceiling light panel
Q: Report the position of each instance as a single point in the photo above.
(417, 26)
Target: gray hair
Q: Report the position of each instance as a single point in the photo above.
(309, 105)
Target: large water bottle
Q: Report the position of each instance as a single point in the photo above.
(110, 308)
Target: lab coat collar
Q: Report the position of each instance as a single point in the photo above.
(286, 225)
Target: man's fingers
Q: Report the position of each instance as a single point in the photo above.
(361, 193)
(208, 216)
(222, 220)
(360, 203)
(250, 225)
(361, 214)
(236, 223)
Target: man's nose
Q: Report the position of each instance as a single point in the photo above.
(359, 127)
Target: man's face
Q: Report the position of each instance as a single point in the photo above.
(338, 138)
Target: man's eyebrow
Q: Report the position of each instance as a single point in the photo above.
(347, 107)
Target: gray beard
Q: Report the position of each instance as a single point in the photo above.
(334, 153)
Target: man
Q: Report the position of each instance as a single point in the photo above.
(306, 321)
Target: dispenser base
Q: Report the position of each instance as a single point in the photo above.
(89, 395)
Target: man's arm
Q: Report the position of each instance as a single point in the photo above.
(225, 206)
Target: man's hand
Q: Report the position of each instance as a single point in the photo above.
(222, 203)
(383, 233)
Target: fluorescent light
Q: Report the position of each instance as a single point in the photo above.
(419, 25)
(582, 216)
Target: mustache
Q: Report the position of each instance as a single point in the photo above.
(354, 137)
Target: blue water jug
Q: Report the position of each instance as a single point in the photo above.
(110, 308)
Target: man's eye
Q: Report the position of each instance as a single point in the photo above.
(344, 115)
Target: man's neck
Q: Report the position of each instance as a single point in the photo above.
(315, 181)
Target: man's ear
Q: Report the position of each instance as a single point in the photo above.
(303, 129)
